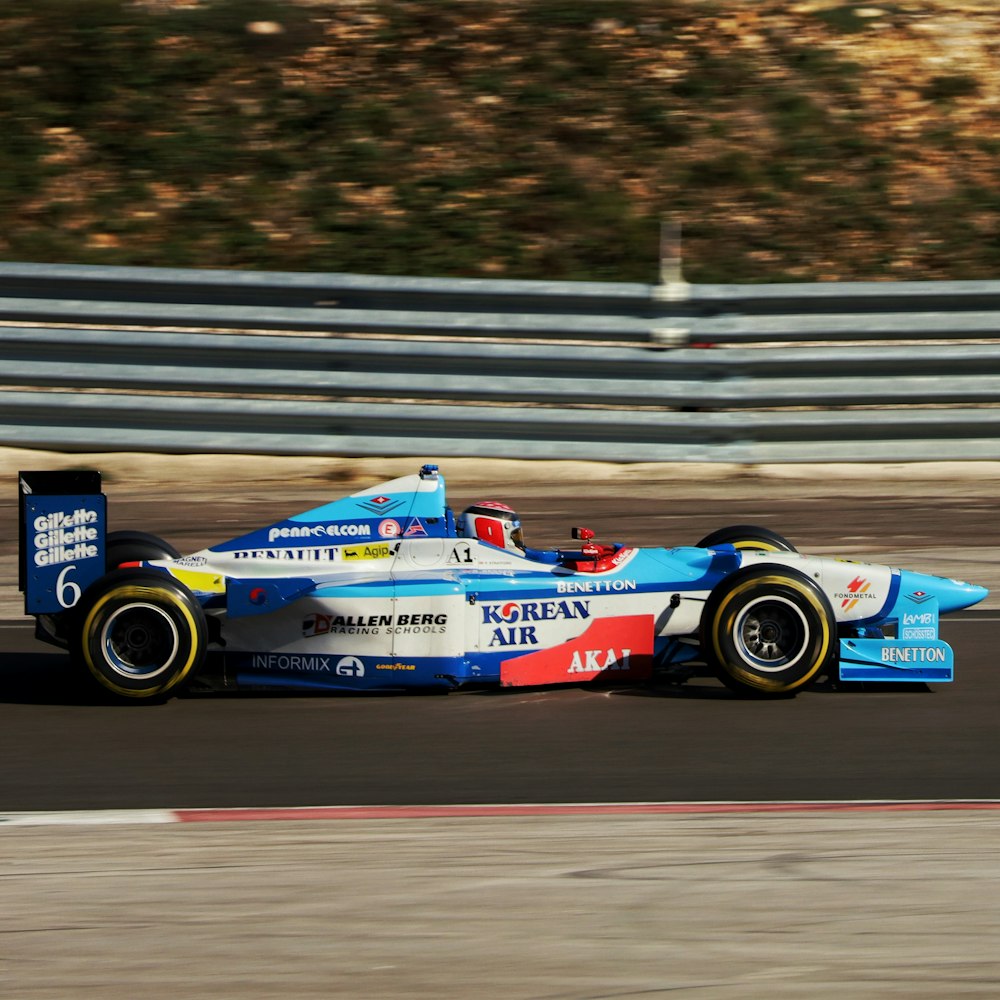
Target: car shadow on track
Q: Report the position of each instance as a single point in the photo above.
(52, 679)
(709, 691)
(697, 691)
(49, 679)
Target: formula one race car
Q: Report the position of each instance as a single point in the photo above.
(388, 589)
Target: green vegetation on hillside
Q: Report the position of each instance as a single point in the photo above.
(518, 138)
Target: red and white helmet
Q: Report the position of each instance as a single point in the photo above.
(492, 522)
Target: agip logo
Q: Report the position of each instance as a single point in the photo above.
(377, 550)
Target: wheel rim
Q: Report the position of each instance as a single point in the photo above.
(139, 640)
(754, 546)
(772, 634)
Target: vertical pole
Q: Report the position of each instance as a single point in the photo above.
(671, 262)
(672, 286)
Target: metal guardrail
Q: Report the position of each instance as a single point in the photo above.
(172, 424)
(521, 373)
(154, 359)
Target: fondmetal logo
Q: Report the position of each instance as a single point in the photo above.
(856, 590)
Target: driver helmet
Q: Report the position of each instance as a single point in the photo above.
(492, 522)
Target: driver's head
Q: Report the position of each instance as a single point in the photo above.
(492, 522)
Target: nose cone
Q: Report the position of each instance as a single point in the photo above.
(952, 595)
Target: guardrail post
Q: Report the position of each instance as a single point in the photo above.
(672, 286)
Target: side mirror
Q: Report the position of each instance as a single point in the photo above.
(582, 534)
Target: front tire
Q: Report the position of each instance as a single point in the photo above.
(747, 536)
(768, 630)
(140, 633)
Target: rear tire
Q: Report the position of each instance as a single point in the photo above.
(747, 536)
(140, 633)
(768, 630)
(135, 546)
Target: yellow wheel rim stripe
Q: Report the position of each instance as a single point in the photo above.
(139, 593)
(784, 581)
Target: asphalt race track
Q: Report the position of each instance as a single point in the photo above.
(570, 745)
(61, 749)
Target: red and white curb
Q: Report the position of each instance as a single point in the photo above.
(99, 817)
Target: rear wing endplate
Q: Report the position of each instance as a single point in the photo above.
(61, 527)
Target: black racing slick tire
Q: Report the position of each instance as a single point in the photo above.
(768, 630)
(747, 536)
(140, 633)
(135, 546)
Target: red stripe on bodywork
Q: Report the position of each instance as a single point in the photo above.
(619, 649)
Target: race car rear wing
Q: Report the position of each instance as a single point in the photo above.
(61, 529)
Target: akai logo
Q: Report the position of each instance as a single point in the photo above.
(586, 661)
(613, 648)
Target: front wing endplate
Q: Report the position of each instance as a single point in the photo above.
(898, 660)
